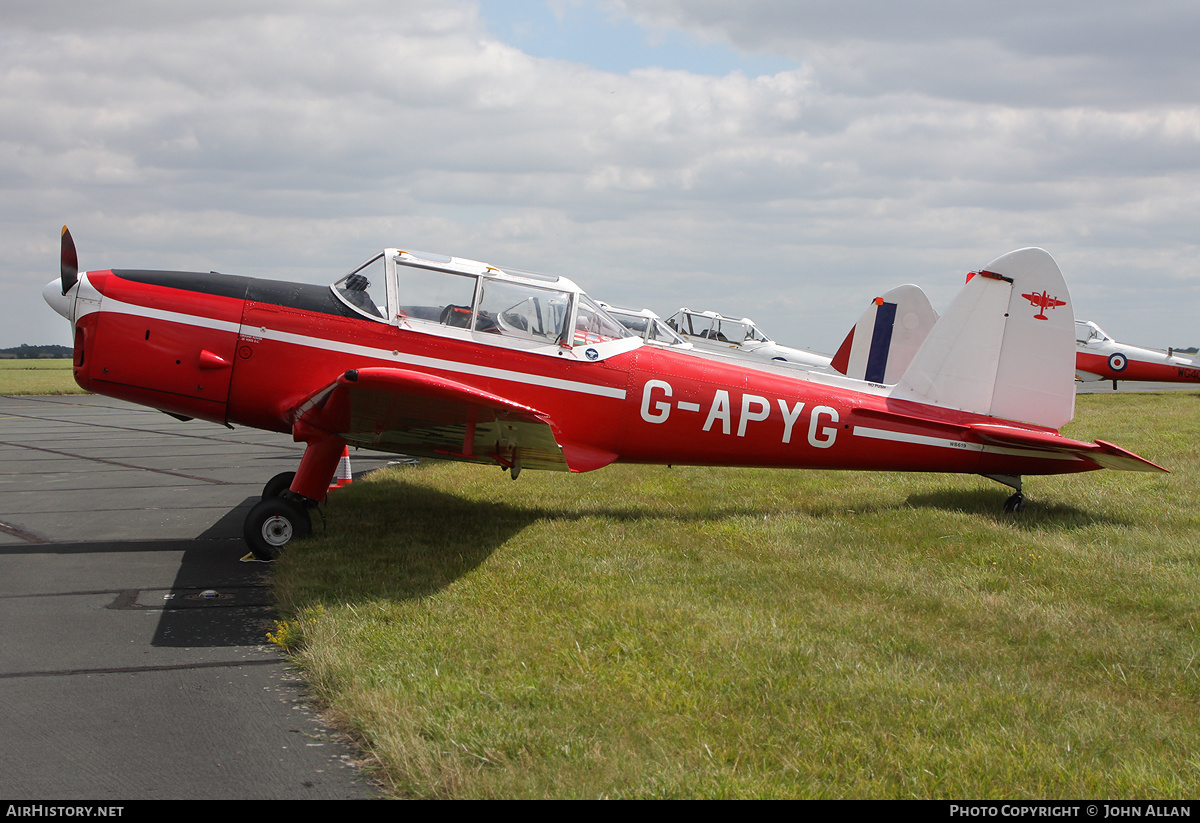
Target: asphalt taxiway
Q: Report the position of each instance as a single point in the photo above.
(133, 657)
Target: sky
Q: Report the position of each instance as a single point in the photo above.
(786, 160)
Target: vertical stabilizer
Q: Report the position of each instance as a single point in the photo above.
(1005, 347)
(887, 336)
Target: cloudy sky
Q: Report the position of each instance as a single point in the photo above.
(782, 159)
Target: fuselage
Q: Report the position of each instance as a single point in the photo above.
(1099, 357)
(1121, 362)
(246, 351)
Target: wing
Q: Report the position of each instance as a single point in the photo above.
(408, 412)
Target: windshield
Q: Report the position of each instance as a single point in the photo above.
(365, 288)
(594, 325)
(649, 328)
(738, 331)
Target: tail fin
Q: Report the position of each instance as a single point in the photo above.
(886, 336)
(1004, 348)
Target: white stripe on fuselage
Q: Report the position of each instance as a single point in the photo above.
(325, 344)
(459, 367)
(960, 445)
(117, 307)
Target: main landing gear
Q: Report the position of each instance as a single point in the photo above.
(1016, 503)
(283, 513)
(273, 523)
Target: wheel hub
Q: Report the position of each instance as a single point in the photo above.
(277, 530)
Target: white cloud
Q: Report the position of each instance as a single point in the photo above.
(290, 140)
(1019, 52)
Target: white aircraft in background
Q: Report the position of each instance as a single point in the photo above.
(646, 325)
(710, 331)
(1099, 357)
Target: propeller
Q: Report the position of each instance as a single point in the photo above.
(70, 262)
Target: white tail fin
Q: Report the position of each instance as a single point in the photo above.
(1004, 348)
(887, 336)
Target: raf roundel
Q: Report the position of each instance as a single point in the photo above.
(1117, 361)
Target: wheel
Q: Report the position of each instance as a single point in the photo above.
(277, 485)
(274, 523)
(1015, 504)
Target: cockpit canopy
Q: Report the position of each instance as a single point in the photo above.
(417, 288)
(709, 325)
(646, 325)
(1088, 332)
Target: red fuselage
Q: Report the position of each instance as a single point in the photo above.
(1132, 367)
(245, 351)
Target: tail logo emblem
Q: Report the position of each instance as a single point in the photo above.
(1043, 301)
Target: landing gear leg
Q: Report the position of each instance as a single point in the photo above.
(1016, 503)
(282, 514)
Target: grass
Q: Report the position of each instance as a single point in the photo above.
(644, 632)
(37, 377)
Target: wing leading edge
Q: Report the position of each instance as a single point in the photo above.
(409, 412)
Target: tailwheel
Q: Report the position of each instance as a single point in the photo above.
(1016, 503)
(278, 484)
(272, 524)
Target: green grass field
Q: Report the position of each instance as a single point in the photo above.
(37, 377)
(682, 632)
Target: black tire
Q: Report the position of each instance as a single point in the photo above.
(277, 485)
(274, 523)
(1015, 504)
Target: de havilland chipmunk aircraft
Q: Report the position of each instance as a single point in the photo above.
(738, 337)
(1099, 357)
(442, 357)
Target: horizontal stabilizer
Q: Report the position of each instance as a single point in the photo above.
(1111, 456)
(998, 436)
(1102, 453)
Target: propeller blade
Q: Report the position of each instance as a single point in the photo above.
(70, 262)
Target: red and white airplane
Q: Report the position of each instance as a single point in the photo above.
(449, 358)
(1099, 357)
